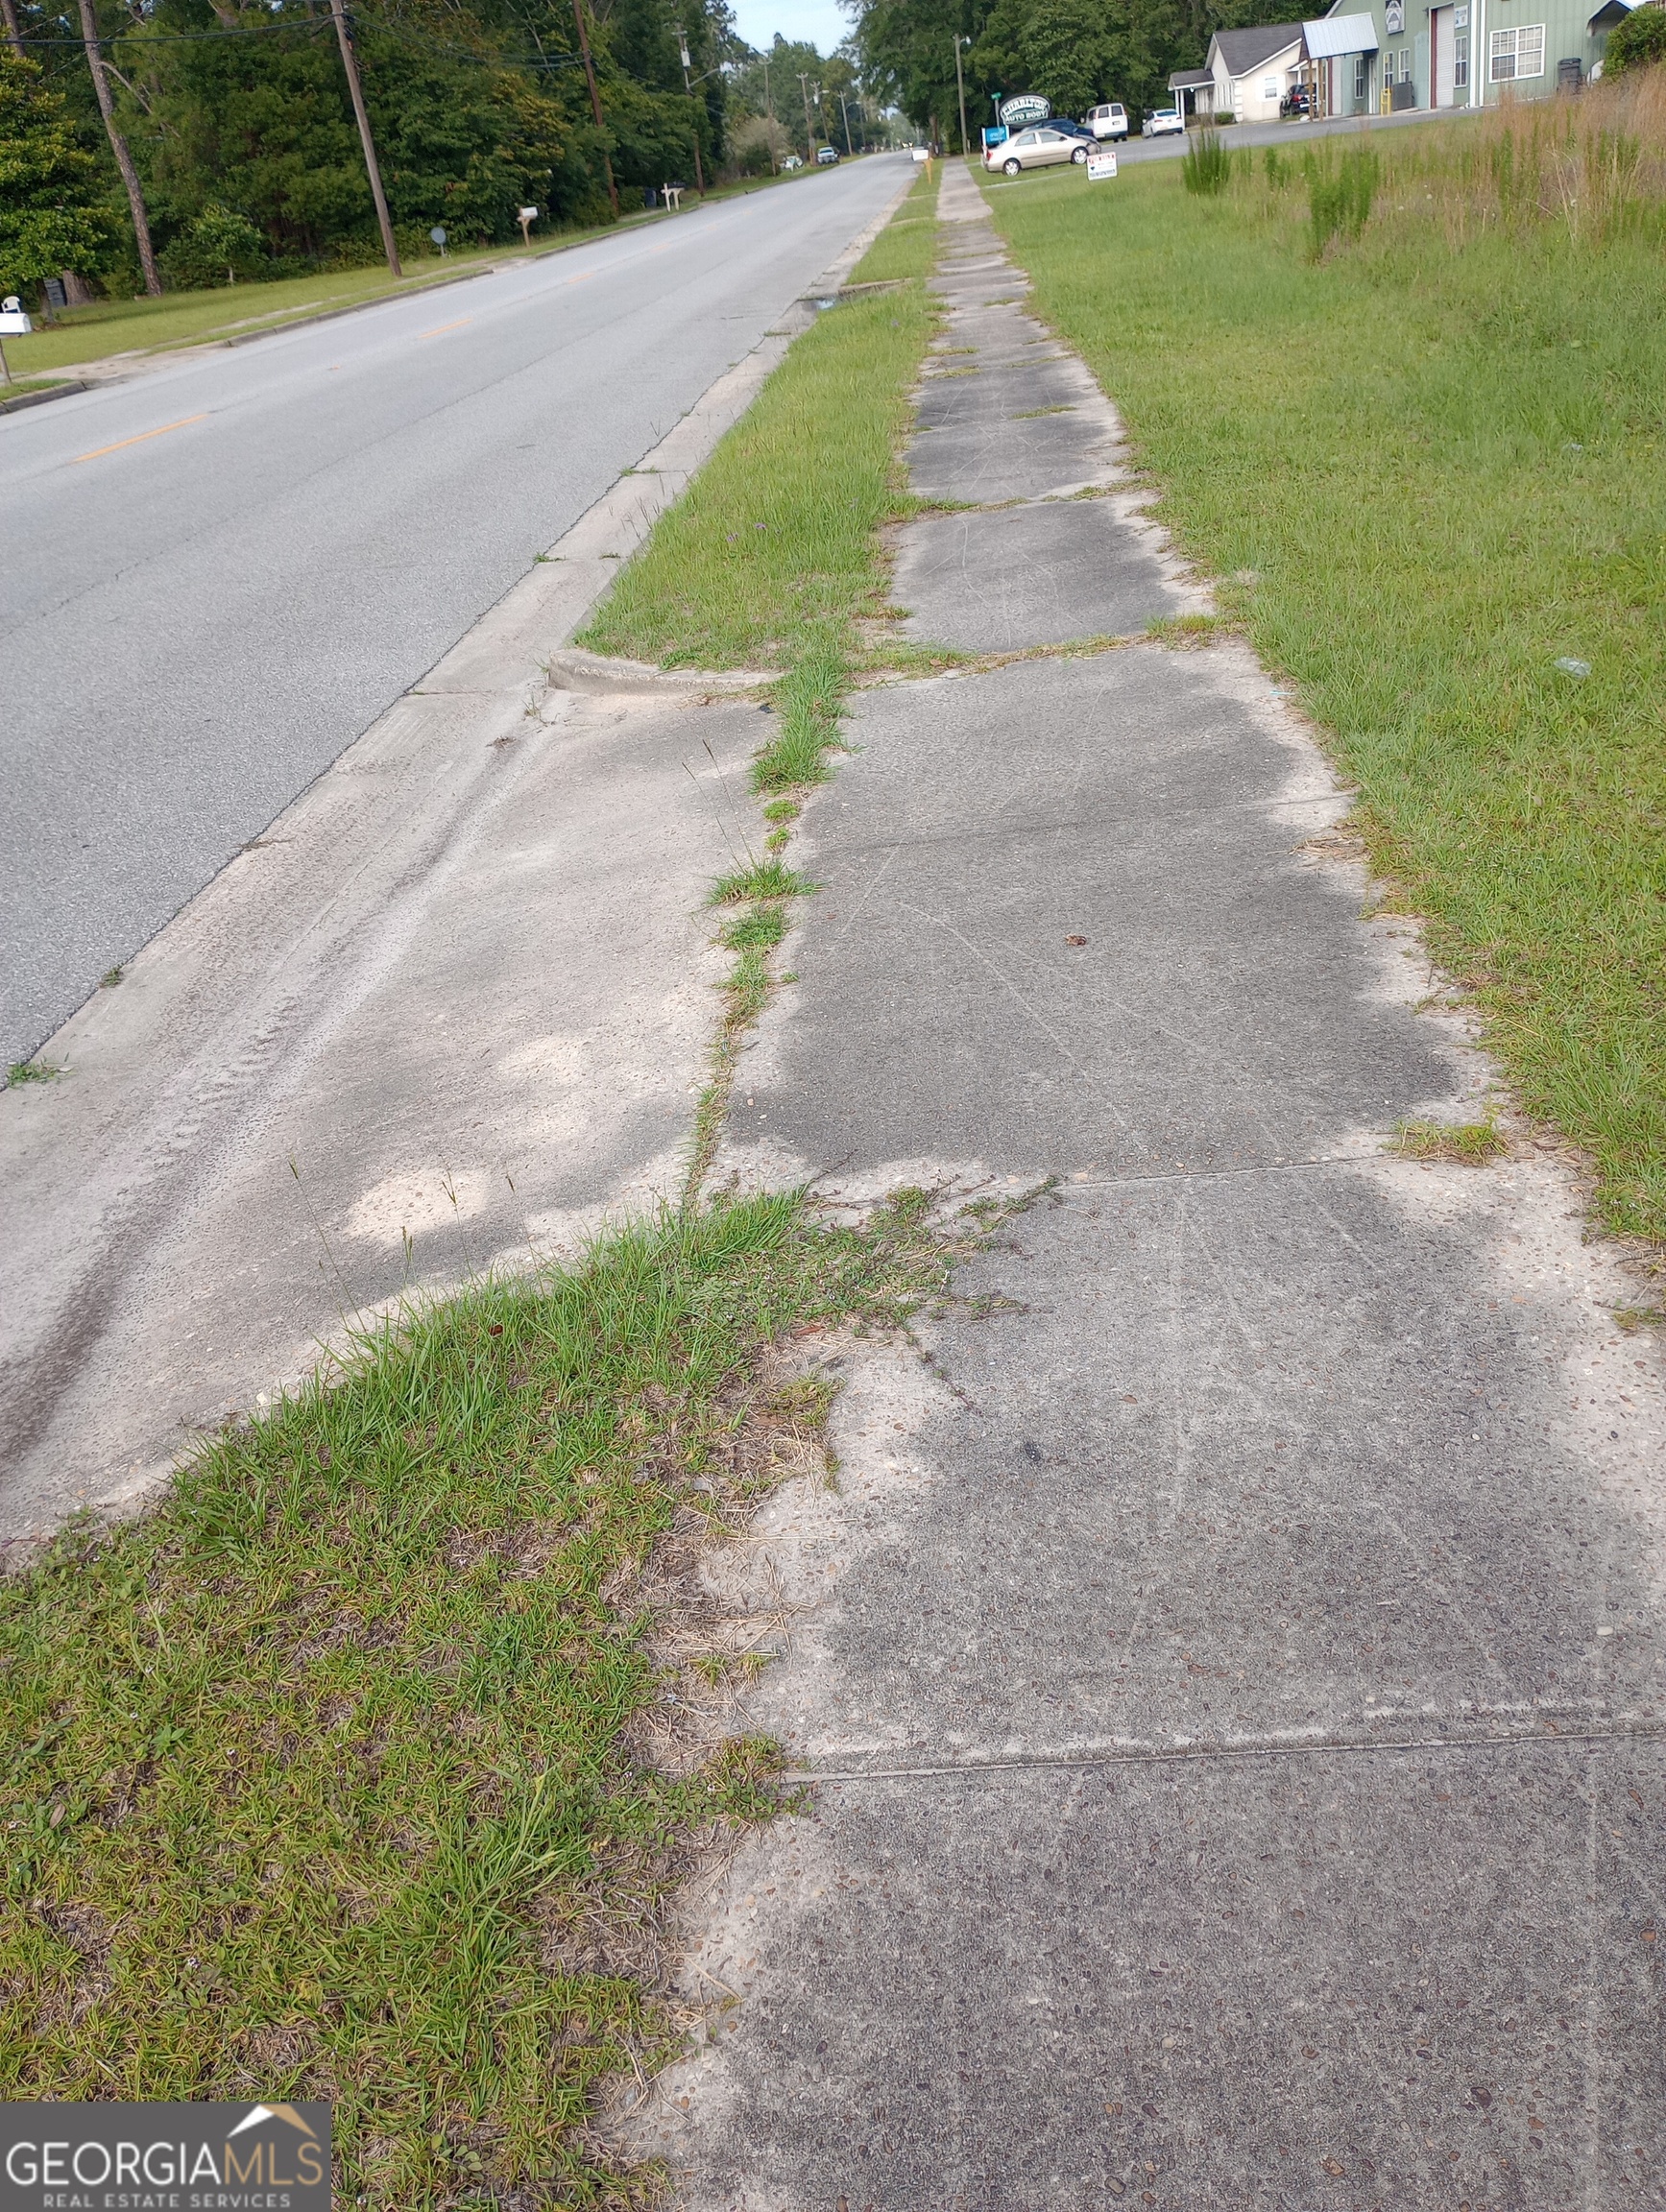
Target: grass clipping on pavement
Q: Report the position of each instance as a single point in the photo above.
(774, 555)
(1427, 469)
(353, 1771)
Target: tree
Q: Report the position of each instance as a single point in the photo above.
(1639, 42)
(118, 146)
(53, 213)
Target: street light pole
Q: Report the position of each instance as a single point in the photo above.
(350, 63)
(960, 90)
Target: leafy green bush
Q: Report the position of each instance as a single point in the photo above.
(1206, 164)
(1639, 42)
(220, 246)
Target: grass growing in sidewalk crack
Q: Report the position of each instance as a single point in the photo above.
(355, 1771)
(773, 555)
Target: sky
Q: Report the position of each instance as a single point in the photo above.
(823, 22)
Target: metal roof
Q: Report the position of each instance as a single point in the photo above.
(1338, 34)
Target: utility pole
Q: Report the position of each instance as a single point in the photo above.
(960, 90)
(844, 104)
(350, 63)
(595, 101)
(14, 39)
(768, 108)
(803, 88)
(118, 146)
(689, 90)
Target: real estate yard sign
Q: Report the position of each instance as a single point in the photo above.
(1102, 162)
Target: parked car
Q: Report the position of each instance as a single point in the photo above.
(1037, 148)
(1111, 121)
(791, 161)
(826, 156)
(1161, 122)
(1075, 129)
(1296, 105)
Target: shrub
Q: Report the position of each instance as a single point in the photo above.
(217, 248)
(1206, 164)
(757, 145)
(1223, 118)
(1639, 42)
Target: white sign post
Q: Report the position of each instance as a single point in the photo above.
(1102, 162)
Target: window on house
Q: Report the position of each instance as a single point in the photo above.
(1459, 55)
(1405, 64)
(1269, 88)
(1518, 53)
(1360, 74)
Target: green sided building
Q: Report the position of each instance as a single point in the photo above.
(1444, 54)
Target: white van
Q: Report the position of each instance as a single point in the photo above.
(1111, 121)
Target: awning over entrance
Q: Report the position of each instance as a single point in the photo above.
(1334, 35)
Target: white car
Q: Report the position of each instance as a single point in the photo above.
(1161, 122)
(1036, 148)
(1111, 121)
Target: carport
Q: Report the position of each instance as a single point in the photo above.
(1332, 43)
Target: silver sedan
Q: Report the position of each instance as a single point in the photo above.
(1036, 148)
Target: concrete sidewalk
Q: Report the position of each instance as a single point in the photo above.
(1230, 1661)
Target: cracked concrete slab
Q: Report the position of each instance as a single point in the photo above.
(1228, 1667)
(1040, 574)
(987, 464)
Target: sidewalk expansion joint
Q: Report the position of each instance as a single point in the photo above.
(1623, 1730)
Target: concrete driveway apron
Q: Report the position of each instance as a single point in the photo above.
(1230, 1662)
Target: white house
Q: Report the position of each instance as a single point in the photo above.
(1252, 71)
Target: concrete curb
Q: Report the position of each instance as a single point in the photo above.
(39, 399)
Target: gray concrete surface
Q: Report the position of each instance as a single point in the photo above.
(1228, 1665)
(1036, 574)
(196, 623)
(445, 1014)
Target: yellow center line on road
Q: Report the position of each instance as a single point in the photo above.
(440, 328)
(98, 452)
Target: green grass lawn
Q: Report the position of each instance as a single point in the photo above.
(334, 1777)
(1426, 469)
(193, 317)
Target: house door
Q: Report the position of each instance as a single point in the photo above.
(1441, 57)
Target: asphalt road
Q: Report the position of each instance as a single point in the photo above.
(215, 577)
(1171, 147)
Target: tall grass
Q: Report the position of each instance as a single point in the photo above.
(1592, 167)
(1206, 165)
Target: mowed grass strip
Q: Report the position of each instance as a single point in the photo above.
(323, 1780)
(1427, 469)
(774, 554)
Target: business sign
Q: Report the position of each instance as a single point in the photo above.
(164, 2157)
(1395, 18)
(1102, 162)
(1023, 108)
(998, 136)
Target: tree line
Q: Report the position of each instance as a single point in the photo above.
(153, 145)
